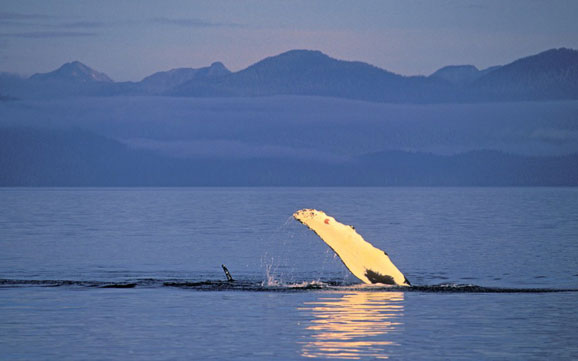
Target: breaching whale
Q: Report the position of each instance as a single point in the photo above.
(366, 262)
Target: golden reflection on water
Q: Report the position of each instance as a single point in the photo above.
(352, 325)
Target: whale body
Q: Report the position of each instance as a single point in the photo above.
(366, 262)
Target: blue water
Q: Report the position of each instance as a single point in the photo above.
(134, 274)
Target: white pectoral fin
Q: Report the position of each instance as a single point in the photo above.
(366, 262)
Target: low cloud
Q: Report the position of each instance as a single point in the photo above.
(19, 16)
(46, 21)
(83, 25)
(555, 136)
(20, 20)
(191, 22)
(35, 21)
(228, 149)
(48, 34)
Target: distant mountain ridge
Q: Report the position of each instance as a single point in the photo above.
(78, 79)
(44, 157)
(550, 75)
(74, 71)
(165, 80)
(461, 74)
(297, 72)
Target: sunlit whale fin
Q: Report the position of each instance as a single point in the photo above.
(366, 262)
(227, 274)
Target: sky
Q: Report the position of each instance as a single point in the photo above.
(130, 39)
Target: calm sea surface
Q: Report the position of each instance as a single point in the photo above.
(135, 274)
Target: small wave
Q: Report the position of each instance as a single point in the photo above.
(120, 285)
(469, 288)
(64, 283)
(263, 286)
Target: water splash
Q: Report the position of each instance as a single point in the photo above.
(270, 280)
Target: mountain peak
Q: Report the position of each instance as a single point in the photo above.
(217, 69)
(301, 54)
(164, 80)
(218, 64)
(457, 74)
(298, 61)
(464, 68)
(559, 51)
(74, 71)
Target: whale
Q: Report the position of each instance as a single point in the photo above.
(365, 261)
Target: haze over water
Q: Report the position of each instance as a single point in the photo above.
(135, 262)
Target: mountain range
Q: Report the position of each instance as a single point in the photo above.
(550, 75)
(295, 119)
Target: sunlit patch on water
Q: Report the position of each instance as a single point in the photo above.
(352, 325)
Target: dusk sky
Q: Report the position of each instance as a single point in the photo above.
(129, 40)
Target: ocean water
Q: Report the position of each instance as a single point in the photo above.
(135, 274)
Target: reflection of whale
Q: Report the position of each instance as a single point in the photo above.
(366, 262)
(353, 325)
